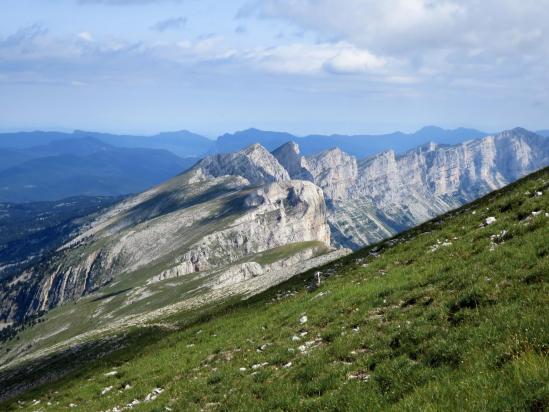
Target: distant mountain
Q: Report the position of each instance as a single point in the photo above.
(544, 133)
(181, 143)
(356, 145)
(86, 166)
(186, 144)
(203, 220)
(376, 197)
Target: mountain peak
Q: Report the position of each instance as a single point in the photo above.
(296, 165)
(288, 147)
(254, 163)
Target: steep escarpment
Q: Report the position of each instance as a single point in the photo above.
(221, 211)
(373, 198)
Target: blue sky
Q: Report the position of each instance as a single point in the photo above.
(304, 66)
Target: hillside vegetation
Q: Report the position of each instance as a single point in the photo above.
(451, 315)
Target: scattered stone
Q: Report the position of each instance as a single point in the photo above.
(539, 193)
(489, 220)
(359, 375)
(321, 294)
(112, 373)
(72, 405)
(537, 212)
(356, 329)
(288, 365)
(303, 319)
(295, 338)
(153, 395)
(242, 369)
(127, 387)
(106, 390)
(309, 345)
(133, 403)
(259, 365)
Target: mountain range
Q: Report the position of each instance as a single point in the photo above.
(84, 166)
(253, 217)
(49, 166)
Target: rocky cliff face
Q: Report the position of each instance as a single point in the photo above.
(377, 197)
(227, 208)
(254, 163)
(297, 166)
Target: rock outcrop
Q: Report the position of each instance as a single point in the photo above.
(223, 210)
(254, 163)
(297, 166)
(375, 198)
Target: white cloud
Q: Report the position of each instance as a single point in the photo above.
(86, 36)
(303, 58)
(440, 37)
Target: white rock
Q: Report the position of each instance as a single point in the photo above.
(303, 319)
(106, 390)
(490, 220)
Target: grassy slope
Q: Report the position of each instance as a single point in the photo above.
(458, 328)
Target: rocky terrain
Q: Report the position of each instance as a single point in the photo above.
(374, 198)
(228, 220)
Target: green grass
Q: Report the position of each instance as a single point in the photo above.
(402, 325)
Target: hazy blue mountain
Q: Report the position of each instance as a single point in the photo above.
(357, 145)
(543, 132)
(87, 167)
(181, 143)
(12, 157)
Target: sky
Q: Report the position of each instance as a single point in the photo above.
(303, 66)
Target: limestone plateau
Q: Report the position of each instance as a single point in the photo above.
(256, 217)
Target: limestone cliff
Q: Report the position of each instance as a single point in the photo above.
(223, 210)
(374, 198)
